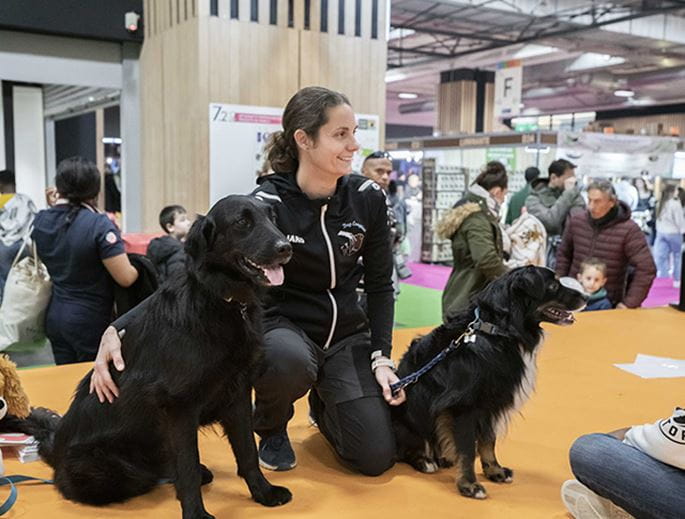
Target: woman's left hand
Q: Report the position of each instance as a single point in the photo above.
(386, 376)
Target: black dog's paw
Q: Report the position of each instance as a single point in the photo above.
(444, 463)
(207, 476)
(499, 474)
(474, 490)
(425, 465)
(273, 496)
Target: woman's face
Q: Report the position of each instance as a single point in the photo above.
(498, 194)
(335, 146)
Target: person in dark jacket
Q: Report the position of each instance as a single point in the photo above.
(606, 231)
(518, 199)
(474, 229)
(316, 336)
(551, 200)
(593, 277)
(85, 257)
(166, 253)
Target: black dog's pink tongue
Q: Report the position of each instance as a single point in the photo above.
(274, 275)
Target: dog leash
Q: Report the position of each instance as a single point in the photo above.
(11, 480)
(469, 336)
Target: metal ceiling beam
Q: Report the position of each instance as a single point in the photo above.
(454, 34)
(421, 52)
(498, 43)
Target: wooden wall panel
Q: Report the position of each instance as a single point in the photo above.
(152, 123)
(457, 102)
(264, 11)
(207, 59)
(282, 14)
(333, 16)
(315, 16)
(349, 17)
(298, 14)
(224, 8)
(489, 109)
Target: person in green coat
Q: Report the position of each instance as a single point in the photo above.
(474, 229)
(518, 199)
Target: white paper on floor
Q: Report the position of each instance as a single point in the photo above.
(649, 366)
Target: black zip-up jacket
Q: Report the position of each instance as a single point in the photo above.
(328, 237)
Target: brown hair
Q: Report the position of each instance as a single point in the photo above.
(594, 263)
(667, 194)
(307, 110)
(494, 175)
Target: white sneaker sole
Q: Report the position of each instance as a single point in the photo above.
(583, 503)
(266, 466)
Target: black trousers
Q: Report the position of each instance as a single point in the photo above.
(346, 399)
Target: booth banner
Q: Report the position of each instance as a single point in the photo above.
(505, 156)
(508, 83)
(612, 155)
(238, 135)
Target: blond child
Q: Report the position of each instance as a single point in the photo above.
(593, 277)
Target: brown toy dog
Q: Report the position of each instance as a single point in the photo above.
(13, 400)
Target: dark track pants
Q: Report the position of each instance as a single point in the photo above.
(346, 399)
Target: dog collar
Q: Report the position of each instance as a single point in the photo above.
(243, 306)
(478, 325)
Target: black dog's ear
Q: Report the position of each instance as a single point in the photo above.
(530, 281)
(200, 237)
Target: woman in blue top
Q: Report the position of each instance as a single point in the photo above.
(84, 254)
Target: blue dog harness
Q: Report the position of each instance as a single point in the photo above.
(475, 326)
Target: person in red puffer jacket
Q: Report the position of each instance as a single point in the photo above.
(605, 231)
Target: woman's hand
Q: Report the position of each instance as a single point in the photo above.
(51, 196)
(109, 351)
(386, 376)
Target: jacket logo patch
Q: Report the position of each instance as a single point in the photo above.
(673, 431)
(294, 238)
(353, 242)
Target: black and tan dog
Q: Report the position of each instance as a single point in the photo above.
(460, 406)
(189, 357)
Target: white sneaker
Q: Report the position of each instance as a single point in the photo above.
(583, 503)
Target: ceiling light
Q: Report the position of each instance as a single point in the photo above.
(391, 77)
(407, 95)
(395, 34)
(532, 50)
(624, 93)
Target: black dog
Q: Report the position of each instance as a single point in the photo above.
(462, 404)
(189, 360)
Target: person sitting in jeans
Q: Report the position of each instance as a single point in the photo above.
(638, 472)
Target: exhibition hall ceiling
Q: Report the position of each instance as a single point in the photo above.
(576, 53)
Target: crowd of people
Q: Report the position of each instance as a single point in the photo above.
(589, 234)
(318, 339)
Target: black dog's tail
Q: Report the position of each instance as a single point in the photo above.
(42, 424)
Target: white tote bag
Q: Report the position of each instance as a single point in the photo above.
(27, 295)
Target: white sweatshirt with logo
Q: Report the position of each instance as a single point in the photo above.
(663, 440)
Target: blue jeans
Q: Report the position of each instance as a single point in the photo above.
(664, 246)
(631, 479)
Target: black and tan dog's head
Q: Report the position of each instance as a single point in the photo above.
(534, 293)
(239, 236)
(551, 300)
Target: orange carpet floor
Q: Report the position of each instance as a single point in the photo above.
(578, 391)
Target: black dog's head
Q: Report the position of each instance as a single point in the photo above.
(534, 293)
(238, 236)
